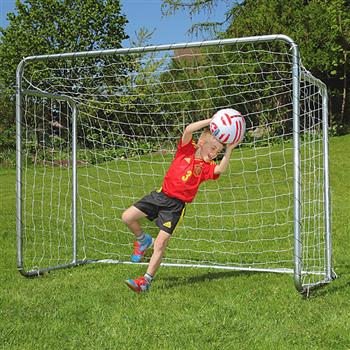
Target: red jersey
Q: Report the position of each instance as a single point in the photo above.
(186, 173)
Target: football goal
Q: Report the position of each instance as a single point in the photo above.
(97, 130)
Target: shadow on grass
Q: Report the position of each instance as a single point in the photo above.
(338, 286)
(174, 281)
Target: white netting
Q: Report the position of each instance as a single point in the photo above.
(133, 108)
(312, 181)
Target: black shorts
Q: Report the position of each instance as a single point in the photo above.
(166, 210)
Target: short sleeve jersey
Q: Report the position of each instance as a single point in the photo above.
(186, 173)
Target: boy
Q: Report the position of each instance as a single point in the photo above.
(192, 165)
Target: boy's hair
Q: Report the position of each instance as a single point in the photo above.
(206, 135)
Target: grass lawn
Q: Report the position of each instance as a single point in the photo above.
(89, 307)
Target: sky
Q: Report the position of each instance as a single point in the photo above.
(147, 13)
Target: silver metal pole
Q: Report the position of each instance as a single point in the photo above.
(327, 211)
(74, 178)
(19, 73)
(296, 171)
(74, 107)
(102, 53)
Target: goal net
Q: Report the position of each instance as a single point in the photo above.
(98, 131)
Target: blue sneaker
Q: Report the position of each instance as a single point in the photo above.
(139, 286)
(140, 249)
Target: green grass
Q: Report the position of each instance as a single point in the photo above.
(89, 307)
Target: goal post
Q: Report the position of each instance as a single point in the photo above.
(97, 130)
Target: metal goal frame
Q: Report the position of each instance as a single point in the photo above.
(297, 76)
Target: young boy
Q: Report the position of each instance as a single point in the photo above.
(192, 165)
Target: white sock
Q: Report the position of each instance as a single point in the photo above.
(148, 277)
(142, 238)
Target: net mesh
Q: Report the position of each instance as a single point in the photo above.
(133, 108)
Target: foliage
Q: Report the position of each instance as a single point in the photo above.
(54, 26)
(320, 28)
(106, 88)
(255, 78)
(194, 7)
(140, 88)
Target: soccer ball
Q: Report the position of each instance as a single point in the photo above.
(228, 126)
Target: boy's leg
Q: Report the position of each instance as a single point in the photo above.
(160, 245)
(131, 218)
(142, 284)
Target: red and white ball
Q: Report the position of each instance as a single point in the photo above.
(228, 126)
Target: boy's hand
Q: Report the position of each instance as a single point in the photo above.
(231, 146)
(221, 167)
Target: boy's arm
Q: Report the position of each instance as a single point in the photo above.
(191, 128)
(222, 166)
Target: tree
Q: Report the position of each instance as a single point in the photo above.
(320, 27)
(54, 26)
(169, 7)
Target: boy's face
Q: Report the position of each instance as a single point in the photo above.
(209, 148)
